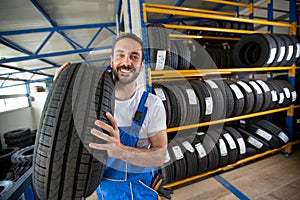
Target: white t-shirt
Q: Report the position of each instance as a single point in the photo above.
(155, 119)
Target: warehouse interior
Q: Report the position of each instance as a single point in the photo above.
(37, 37)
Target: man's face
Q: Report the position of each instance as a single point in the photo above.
(127, 61)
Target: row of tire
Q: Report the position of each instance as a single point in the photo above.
(220, 24)
(255, 50)
(200, 152)
(195, 101)
(266, 50)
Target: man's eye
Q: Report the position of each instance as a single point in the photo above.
(135, 57)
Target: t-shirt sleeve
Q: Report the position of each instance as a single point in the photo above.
(157, 116)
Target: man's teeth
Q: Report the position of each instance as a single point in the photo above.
(124, 70)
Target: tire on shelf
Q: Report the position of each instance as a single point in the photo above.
(179, 162)
(62, 157)
(266, 93)
(241, 146)
(231, 146)
(201, 155)
(258, 95)
(211, 150)
(167, 169)
(254, 141)
(190, 156)
(239, 100)
(264, 134)
(218, 111)
(205, 100)
(275, 130)
(221, 146)
(263, 54)
(248, 96)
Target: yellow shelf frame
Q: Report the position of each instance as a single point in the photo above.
(191, 12)
(162, 74)
(169, 130)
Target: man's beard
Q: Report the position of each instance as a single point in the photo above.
(124, 79)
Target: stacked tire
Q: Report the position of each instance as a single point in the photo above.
(196, 101)
(199, 152)
(19, 138)
(265, 50)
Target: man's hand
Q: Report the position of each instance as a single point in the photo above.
(60, 69)
(113, 145)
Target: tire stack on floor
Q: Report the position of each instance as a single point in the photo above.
(16, 159)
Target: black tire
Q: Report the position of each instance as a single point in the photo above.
(4, 187)
(18, 138)
(23, 156)
(267, 94)
(253, 141)
(248, 96)
(275, 130)
(264, 134)
(205, 100)
(5, 160)
(241, 146)
(218, 100)
(258, 95)
(239, 100)
(231, 146)
(61, 156)
(262, 54)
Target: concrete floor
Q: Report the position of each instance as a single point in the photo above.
(274, 177)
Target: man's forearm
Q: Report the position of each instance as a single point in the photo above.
(154, 156)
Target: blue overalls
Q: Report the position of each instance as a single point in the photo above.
(123, 180)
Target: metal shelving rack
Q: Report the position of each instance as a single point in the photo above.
(201, 13)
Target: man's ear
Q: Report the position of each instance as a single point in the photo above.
(143, 65)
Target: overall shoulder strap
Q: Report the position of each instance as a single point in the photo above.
(140, 114)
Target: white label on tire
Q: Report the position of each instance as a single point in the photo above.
(298, 50)
(281, 98)
(160, 59)
(290, 52)
(160, 93)
(230, 141)
(209, 105)
(200, 149)
(282, 53)
(294, 96)
(256, 87)
(283, 137)
(245, 86)
(272, 54)
(223, 149)
(298, 121)
(211, 84)
(192, 96)
(263, 85)
(242, 145)
(237, 91)
(263, 134)
(168, 158)
(274, 95)
(287, 92)
(188, 146)
(255, 142)
(177, 152)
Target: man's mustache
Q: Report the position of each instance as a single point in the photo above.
(129, 68)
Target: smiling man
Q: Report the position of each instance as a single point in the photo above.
(136, 139)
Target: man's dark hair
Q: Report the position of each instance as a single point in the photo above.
(129, 36)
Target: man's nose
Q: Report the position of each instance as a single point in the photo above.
(127, 61)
